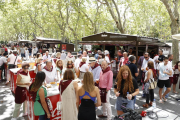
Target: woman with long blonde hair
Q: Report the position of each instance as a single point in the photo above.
(125, 84)
(88, 94)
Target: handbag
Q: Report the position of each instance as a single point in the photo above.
(153, 84)
(59, 103)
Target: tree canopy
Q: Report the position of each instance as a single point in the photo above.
(70, 20)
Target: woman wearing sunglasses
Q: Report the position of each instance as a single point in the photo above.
(23, 82)
(70, 66)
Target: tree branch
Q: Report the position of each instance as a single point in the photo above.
(118, 22)
(168, 7)
(124, 23)
(35, 23)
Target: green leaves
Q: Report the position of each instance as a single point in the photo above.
(73, 19)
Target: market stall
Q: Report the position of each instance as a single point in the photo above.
(109, 41)
(48, 43)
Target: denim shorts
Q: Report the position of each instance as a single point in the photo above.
(121, 100)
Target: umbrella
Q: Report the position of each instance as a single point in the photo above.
(176, 36)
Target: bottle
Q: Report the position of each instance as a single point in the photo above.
(154, 104)
(128, 96)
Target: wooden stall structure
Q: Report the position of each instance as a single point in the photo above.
(108, 41)
(47, 43)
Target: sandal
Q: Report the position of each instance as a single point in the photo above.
(146, 105)
(165, 100)
(150, 104)
(175, 92)
(160, 101)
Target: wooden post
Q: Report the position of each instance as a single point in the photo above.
(146, 47)
(136, 51)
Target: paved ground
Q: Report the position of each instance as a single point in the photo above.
(7, 103)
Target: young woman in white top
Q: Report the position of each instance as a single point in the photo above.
(23, 81)
(149, 77)
(83, 68)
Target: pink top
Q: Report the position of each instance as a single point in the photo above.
(106, 80)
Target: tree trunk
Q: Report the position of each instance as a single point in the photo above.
(175, 43)
(174, 16)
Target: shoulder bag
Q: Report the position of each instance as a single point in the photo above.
(152, 84)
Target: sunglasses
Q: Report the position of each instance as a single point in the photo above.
(145, 57)
(69, 64)
(26, 68)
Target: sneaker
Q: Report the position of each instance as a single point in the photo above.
(13, 119)
(136, 107)
(178, 99)
(160, 101)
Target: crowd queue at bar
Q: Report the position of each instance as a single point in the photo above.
(84, 80)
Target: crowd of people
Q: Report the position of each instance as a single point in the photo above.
(96, 75)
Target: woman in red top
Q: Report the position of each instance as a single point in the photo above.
(175, 77)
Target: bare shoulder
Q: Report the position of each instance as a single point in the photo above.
(96, 89)
(41, 91)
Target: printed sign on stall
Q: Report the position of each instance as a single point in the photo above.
(64, 47)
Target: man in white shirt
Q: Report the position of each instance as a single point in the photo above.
(165, 71)
(35, 50)
(77, 61)
(63, 55)
(46, 57)
(107, 58)
(144, 66)
(94, 68)
(50, 71)
(3, 60)
(70, 57)
(12, 60)
(86, 55)
(12, 63)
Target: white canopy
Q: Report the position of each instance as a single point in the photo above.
(176, 36)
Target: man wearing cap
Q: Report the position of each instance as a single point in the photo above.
(94, 68)
(50, 71)
(107, 58)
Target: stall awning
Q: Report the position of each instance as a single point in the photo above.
(108, 38)
(47, 40)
